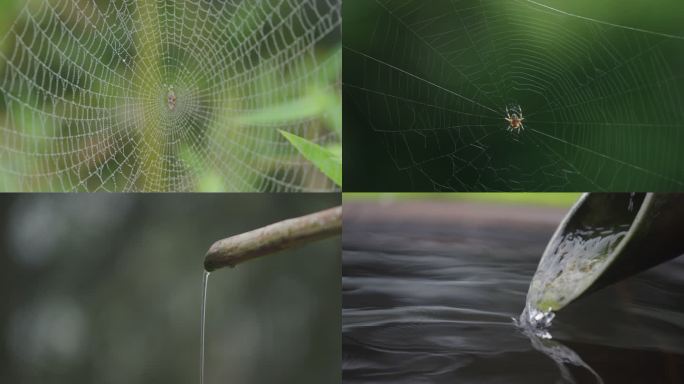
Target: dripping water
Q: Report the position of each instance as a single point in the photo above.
(205, 282)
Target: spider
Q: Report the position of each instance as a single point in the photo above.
(515, 119)
(171, 99)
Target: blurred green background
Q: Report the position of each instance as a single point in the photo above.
(556, 199)
(85, 89)
(107, 289)
(426, 86)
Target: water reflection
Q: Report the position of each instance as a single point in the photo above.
(559, 353)
(429, 290)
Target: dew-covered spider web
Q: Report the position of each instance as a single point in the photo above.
(168, 95)
(600, 85)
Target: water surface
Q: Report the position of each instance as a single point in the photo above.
(430, 291)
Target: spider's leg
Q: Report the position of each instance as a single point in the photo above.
(522, 127)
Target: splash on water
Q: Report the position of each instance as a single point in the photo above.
(536, 322)
(205, 282)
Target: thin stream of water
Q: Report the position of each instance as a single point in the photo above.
(205, 282)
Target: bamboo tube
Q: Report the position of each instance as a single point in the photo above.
(273, 238)
(605, 238)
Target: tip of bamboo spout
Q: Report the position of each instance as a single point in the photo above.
(211, 259)
(283, 235)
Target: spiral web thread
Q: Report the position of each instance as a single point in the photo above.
(163, 95)
(602, 102)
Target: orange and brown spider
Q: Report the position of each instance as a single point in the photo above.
(515, 120)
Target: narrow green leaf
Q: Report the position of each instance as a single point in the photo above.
(327, 161)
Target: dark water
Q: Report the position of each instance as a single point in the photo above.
(432, 301)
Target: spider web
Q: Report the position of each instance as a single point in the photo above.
(86, 89)
(430, 82)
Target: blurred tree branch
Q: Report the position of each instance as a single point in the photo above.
(273, 238)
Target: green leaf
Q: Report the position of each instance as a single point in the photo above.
(327, 161)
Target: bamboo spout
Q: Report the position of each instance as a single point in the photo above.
(606, 237)
(273, 238)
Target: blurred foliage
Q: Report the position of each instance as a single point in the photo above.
(83, 106)
(557, 199)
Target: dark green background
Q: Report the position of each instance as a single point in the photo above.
(426, 84)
